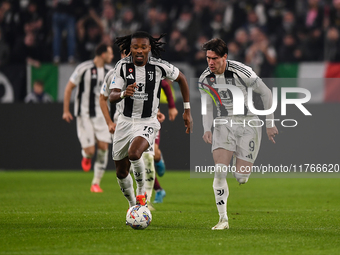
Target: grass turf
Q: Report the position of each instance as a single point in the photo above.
(55, 213)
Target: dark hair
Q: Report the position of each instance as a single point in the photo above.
(124, 42)
(40, 82)
(217, 45)
(101, 48)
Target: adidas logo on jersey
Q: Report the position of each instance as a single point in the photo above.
(250, 156)
(130, 76)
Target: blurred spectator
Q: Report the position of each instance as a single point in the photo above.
(332, 49)
(334, 16)
(9, 22)
(270, 13)
(289, 51)
(64, 18)
(234, 51)
(179, 49)
(199, 60)
(108, 19)
(241, 38)
(313, 16)
(90, 32)
(126, 24)
(28, 51)
(252, 22)
(234, 16)
(186, 26)
(156, 21)
(261, 56)
(32, 20)
(217, 28)
(38, 95)
(4, 51)
(288, 26)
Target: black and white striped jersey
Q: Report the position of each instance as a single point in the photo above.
(105, 91)
(88, 79)
(236, 74)
(145, 101)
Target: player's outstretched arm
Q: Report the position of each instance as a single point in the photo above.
(183, 84)
(67, 116)
(105, 109)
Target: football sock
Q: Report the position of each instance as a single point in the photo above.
(100, 166)
(138, 171)
(221, 190)
(241, 178)
(149, 174)
(156, 185)
(84, 154)
(126, 186)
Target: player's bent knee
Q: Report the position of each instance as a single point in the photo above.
(121, 174)
(135, 156)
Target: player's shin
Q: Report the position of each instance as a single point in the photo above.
(221, 190)
(100, 166)
(149, 174)
(138, 171)
(126, 186)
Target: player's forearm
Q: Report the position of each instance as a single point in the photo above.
(267, 99)
(67, 97)
(115, 96)
(105, 109)
(183, 84)
(208, 118)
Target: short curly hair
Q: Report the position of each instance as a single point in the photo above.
(217, 45)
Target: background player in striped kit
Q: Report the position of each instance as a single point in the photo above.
(137, 82)
(242, 141)
(91, 126)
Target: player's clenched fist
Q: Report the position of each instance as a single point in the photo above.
(130, 90)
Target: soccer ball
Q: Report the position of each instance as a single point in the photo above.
(138, 217)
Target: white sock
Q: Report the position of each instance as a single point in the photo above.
(241, 178)
(84, 154)
(221, 190)
(126, 186)
(149, 174)
(138, 171)
(100, 166)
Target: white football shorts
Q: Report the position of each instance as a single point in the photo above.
(91, 129)
(243, 139)
(129, 128)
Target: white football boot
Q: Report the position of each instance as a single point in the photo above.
(222, 224)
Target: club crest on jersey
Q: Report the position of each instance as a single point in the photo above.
(130, 70)
(150, 73)
(212, 79)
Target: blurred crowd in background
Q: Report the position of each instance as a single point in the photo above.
(259, 33)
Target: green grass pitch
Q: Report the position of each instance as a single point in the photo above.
(55, 213)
